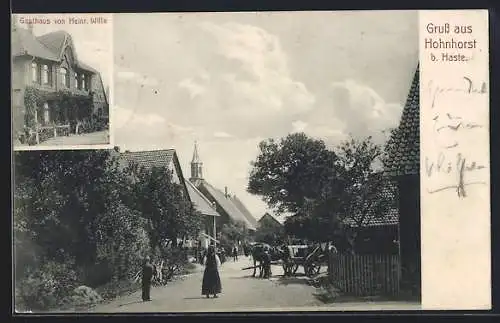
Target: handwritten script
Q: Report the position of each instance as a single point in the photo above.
(468, 87)
(449, 127)
(457, 167)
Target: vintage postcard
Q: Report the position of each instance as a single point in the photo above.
(262, 161)
(61, 81)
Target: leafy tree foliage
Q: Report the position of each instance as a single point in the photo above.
(81, 217)
(322, 189)
(368, 193)
(165, 205)
(288, 172)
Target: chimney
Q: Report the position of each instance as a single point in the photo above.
(225, 191)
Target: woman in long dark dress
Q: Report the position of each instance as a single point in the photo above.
(211, 279)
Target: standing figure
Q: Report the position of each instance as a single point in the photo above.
(211, 280)
(267, 264)
(147, 276)
(235, 253)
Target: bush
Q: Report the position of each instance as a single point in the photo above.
(83, 296)
(46, 287)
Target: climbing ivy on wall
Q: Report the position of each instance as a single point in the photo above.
(32, 99)
(77, 106)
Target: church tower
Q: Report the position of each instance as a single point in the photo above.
(196, 167)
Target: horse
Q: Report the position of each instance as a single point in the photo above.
(259, 256)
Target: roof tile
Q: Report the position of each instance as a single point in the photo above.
(148, 159)
(390, 217)
(404, 144)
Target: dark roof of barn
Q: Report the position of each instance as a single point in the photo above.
(404, 144)
(269, 217)
(48, 46)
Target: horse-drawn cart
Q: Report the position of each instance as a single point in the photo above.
(306, 256)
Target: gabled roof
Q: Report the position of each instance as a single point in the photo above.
(201, 203)
(269, 217)
(227, 205)
(239, 204)
(404, 144)
(55, 41)
(48, 46)
(25, 43)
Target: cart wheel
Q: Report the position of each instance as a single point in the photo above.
(288, 268)
(312, 269)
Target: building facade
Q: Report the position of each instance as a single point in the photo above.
(50, 85)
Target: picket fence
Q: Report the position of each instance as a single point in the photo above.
(365, 275)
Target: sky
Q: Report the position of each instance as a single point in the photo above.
(93, 42)
(230, 80)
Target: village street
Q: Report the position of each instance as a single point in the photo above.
(239, 293)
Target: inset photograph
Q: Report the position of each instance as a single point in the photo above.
(61, 79)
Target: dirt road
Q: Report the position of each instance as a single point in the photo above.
(240, 292)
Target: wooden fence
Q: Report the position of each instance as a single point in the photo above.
(365, 275)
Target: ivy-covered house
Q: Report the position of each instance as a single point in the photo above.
(52, 90)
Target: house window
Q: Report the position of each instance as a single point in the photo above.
(34, 72)
(46, 113)
(84, 82)
(77, 83)
(46, 74)
(64, 77)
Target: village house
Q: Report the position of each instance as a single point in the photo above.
(228, 206)
(168, 158)
(403, 167)
(271, 221)
(53, 91)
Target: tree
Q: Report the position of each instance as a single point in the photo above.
(367, 193)
(165, 205)
(288, 172)
(69, 217)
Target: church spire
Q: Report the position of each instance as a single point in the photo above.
(196, 166)
(196, 158)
